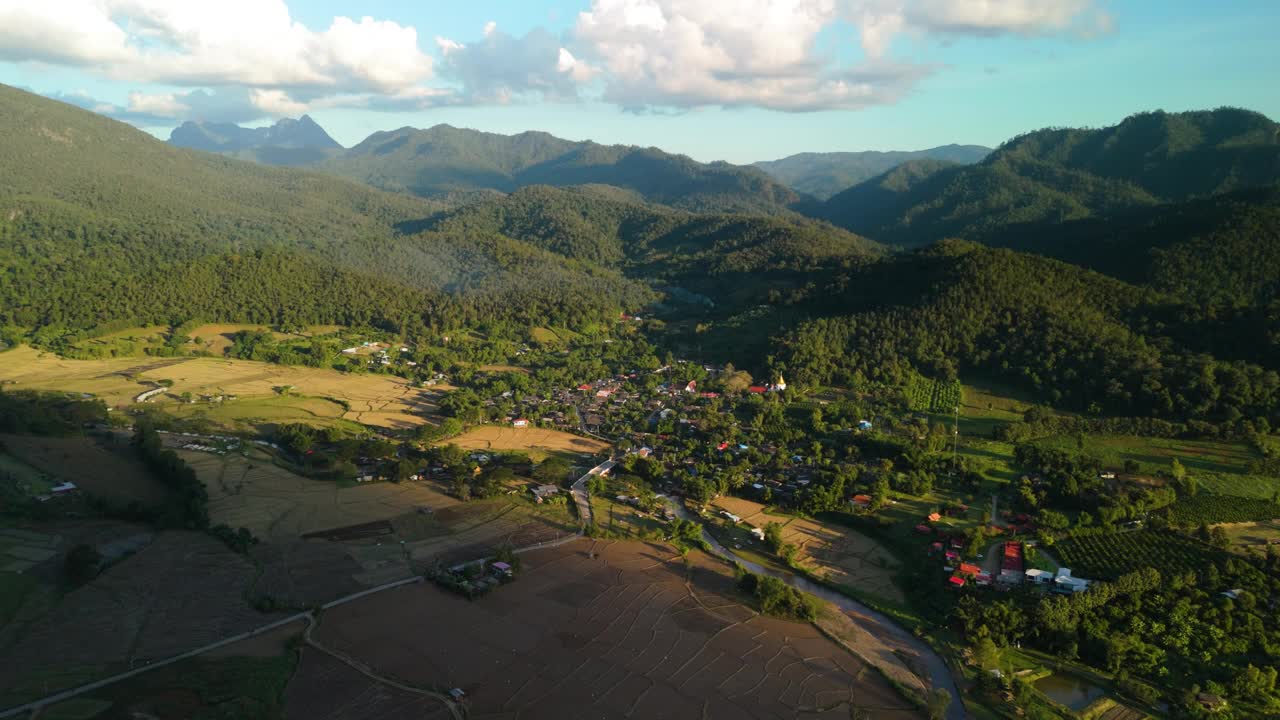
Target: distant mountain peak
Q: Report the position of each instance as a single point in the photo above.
(286, 134)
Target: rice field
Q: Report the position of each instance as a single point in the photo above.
(538, 442)
(314, 396)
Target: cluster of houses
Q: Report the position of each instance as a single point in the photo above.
(1012, 570)
(474, 579)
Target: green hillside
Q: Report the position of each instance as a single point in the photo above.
(732, 259)
(443, 160)
(100, 222)
(825, 174)
(1073, 337)
(1051, 176)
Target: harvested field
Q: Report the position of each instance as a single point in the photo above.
(477, 528)
(318, 397)
(625, 630)
(274, 503)
(324, 688)
(182, 591)
(838, 554)
(304, 574)
(538, 442)
(96, 466)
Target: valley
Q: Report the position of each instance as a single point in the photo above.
(570, 427)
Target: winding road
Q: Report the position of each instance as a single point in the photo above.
(937, 669)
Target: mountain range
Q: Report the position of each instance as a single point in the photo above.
(1135, 270)
(825, 174)
(1058, 175)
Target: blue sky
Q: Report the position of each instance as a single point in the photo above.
(737, 80)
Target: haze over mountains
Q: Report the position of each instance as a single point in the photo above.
(825, 174)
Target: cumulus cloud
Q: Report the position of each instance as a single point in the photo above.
(240, 60)
(687, 53)
(502, 68)
(246, 43)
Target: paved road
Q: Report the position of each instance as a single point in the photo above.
(580, 491)
(939, 672)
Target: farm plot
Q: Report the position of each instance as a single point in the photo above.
(1253, 535)
(926, 395)
(1110, 556)
(606, 631)
(1214, 509)
(97, 467)
(315, 396)
(538, 442)
(182, 591)
(837, 554)
(276, 504)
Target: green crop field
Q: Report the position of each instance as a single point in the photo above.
(1102, 557)
(925, 395)
(1213, 509)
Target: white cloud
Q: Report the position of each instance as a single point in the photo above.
(503, 68)
(237, 60)
(276, 102)
(252, 43)
(686, 53)
(160, 105)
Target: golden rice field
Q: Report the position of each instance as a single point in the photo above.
(274, 503)
(318, 397)
(538, 442)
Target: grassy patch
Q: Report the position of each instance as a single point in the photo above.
(14, 589)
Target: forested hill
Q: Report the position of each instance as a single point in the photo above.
(100, 222)
(1075, 338)
(733, 259)
(1060, 175)
(1222, 250)
(823, 174)
(442, 161)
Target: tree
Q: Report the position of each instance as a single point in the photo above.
(773, 536)
(552, 471)
(82, 563)
(1218, 538)
(939, 701)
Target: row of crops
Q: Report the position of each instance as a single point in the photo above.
(927, 395)
(1206, 509)
(1106, 557)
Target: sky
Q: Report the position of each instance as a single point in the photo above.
(735, 80)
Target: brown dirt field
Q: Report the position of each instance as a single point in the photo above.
(537, 440)
(324, 688)
(841, 555)
(304, 574)
(274, 503)
(373, 399)
(476, 528)
(182, 591)
(96, 467)
(627, 630)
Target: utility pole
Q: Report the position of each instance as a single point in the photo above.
(955, 442)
